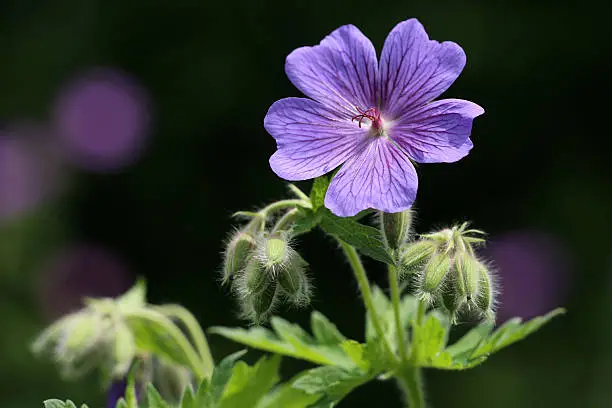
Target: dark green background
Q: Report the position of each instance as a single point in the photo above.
(213, 68)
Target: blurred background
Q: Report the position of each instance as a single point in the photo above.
(131, 130)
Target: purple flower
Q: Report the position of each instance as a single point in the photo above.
(373, 118)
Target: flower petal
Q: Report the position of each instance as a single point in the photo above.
(341, 72)
(415, 70)
(380, 177)
(312, 139)
(438, 131)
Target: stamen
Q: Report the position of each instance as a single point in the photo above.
(372, 114)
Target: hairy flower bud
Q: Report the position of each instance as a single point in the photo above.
(294, 282)
(256, 277)
(395, 228)
(257, 307)
(435, 273)
(468, 271)
(485, 299)
(276, 252)
(414, 255)
(237, 253)
(451, 273)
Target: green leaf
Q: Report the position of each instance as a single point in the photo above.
(121, 404)
(222, 374)
(318, 191)
(325, 332)
(285, 396)
(290, 340)
(130, 391)
(479, 343)
(355, 351)
(154, 400)
(248, 385)
(333, 382)
(384, 308)
(155, 333)
(306, 223)
(134, 298)
(368, 240)
(55, 403)
(429, 340)
(188, 399)
(513, 331)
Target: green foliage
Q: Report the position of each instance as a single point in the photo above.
(288, 339)
(368, 240)
(334, 383)
(55, 403)
(318, 191)
(479, 343)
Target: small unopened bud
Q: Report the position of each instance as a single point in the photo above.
(395, 228)
(276, 252)
(294, 281)
(124, 350)
(415, 255)
(435, 273)
(468, 275)
(257, 278)
(263, 303)
(237, 253)
(485, 298)
(453, 303)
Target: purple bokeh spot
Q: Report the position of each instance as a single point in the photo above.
(102, 119)
(81, 271)
(533, 270)
(21, 184)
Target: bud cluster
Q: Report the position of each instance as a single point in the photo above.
(447, 272)
(92, 337)
(264, 269)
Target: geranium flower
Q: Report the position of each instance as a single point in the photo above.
(373, 119)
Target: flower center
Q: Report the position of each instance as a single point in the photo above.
(371, 114)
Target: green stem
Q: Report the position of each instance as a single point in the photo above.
(286, 220)
(174, 334)
(195, 332)
(282, 204)
(409, 379)
(366, 292)
(395, 299)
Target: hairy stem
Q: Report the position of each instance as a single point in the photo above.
(289, 217)
(195, 331)
(366, 292)
(409, 376)
(409, 380)
(395, 299)
(281, 205)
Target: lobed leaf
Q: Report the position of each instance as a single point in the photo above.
(334, 383)
(290, 340)
(368, 240)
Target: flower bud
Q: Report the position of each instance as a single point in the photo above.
(257, 278)
(294, 282)
(395, 228)
(435, 273)
(453, 303)
(237, 253)
(124, 350)
(415, 255)
(263, 303)
(468, 275)
(276, 252)
(485, 298)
